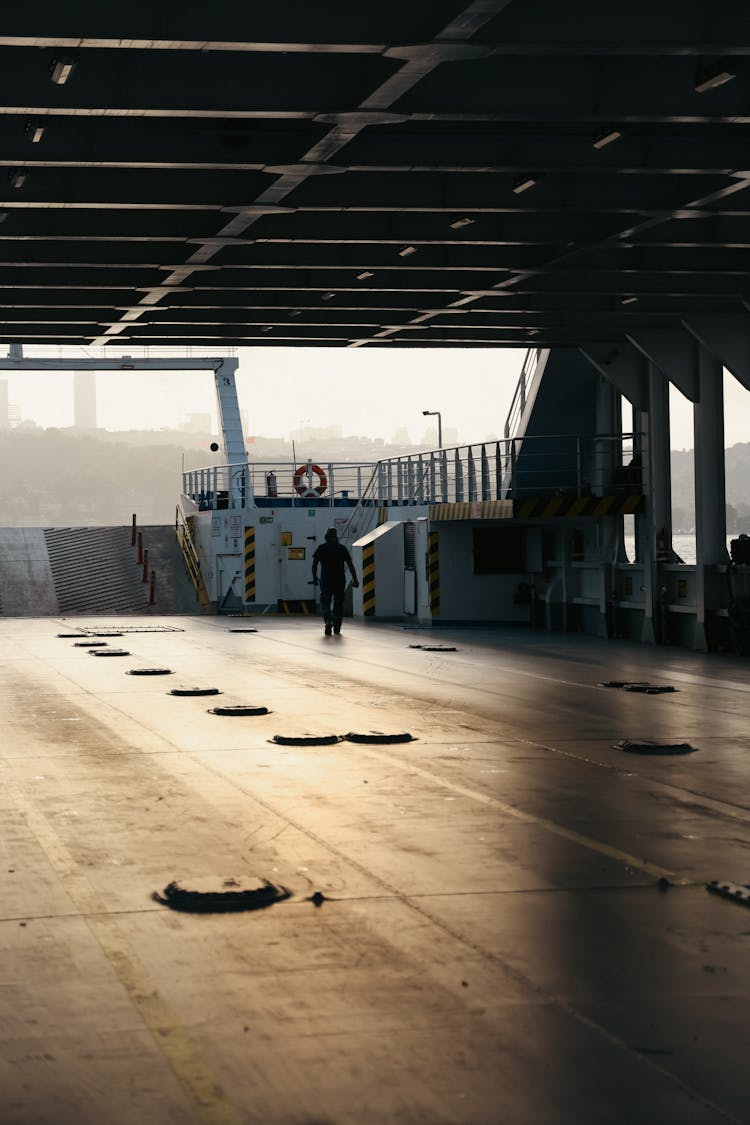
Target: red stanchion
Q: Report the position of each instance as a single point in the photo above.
(132, 534)
(140, 547)
(145, 566)
(152, 589)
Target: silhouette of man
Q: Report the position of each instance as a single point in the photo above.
(332, 557)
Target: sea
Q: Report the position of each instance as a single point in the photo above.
(682, 542)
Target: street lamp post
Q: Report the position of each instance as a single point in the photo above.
(440, 425)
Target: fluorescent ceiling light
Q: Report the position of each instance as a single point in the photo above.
(267, 328)
(328, 296)
(457, 224)
(364, 275)
(523, 184)
(711, 77)
(628, 300)
(18, 179)
(405, 251)
(606, 137)
(35, 131)
(295, 312)
(61, 70)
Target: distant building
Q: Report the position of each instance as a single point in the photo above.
(323, 433)
(84, 400)
(4, 416)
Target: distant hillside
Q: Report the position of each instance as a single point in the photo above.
(66, 477)
(60, 477)
(737, 488)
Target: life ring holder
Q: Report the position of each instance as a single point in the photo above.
(303, 489)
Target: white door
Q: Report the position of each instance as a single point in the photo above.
(228, 582)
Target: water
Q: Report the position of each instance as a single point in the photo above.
(682, 544)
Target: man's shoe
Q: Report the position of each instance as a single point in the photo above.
(328, 630)
(337, 631)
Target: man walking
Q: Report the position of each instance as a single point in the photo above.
(332, 556)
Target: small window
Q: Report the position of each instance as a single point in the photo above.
(499, 550)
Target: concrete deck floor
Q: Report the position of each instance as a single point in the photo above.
(494, 945)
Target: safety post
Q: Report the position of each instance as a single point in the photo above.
(132, 534)
(145, 566)
(140, 547)
(152, 589)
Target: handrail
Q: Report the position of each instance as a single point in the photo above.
(518, 402)
(239, 486)
(347, 532)
(190, 556)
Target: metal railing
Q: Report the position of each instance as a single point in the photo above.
(559, 464)
(520, 395)
(512, 469)
(235, 486)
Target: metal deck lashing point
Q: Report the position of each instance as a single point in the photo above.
(70, 636)
(149, 672)
(109, 652)
(90, 644)
(737, 892)
(195, 691)
(435, 648)
(376, 737)
(645, 746)
(306, 739)
(221, 896)
(239, 710)
(242, 630)
(650, 689)
(642, 687)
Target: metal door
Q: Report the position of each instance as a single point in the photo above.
(228, 582)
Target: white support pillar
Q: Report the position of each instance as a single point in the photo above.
(657, 523)
(241, 486)
(606, 449)
(710, 493)
(658, 463)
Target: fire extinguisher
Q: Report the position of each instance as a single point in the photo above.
(271, 488)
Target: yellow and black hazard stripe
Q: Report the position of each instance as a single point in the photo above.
(368, 580)
(546, 507)
(305, 606)
(433, 572)
(472, 510)
(382, 516)
(249, 564)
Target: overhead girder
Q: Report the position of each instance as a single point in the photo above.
(352, 176)
(675, 353)
(624, 366)
(727, 338)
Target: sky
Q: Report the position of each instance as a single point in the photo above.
(371, 393)
(285, 390)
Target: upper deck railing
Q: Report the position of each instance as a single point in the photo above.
(520, 395)
(238, 486)
(561, 464)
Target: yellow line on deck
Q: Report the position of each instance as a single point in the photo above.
(542, 822)
(169, 1034)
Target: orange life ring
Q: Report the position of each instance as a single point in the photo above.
(302, 489)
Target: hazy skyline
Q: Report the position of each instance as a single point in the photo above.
(369, 393)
